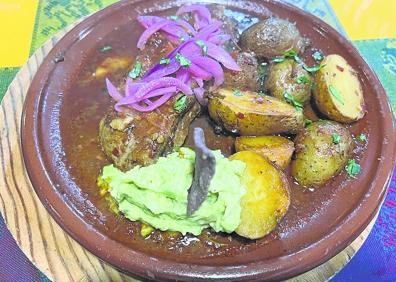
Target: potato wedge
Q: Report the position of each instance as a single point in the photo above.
(246, 113)
(322, 150)
(276, 149)
(267, 197)
(338, 93)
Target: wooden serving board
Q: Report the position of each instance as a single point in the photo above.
(42, 240)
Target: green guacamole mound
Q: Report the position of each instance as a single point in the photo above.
(157, 194)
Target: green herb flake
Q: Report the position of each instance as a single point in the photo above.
(313, 69)
(237, 93)
(307, 121)
(204, 47)
(291, 100)
(184, 62)
(173, 17)
(352, 168)
(291, 53)
(317, 56)
(180, 104)
(336, 94)
(336, 138)
(164, 61)
(137, 69)
(277, 60)
(106, 48)
(303, 79)
(362, 137)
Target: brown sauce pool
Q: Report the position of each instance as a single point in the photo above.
(84, 105)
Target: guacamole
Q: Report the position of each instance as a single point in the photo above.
(157, 194)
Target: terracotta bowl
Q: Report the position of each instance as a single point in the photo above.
(63, 159)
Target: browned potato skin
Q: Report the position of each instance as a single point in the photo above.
(282, 77)
(272, 37)
(276, 149)
(247, 78)
(267, 196)
(251, 114)
(337, 72)
(318, 159)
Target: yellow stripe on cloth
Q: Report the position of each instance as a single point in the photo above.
(366, 19)
(17, 22)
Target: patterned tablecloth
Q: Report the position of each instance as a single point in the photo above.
(26, 24)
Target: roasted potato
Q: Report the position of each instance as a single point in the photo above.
(289, 76)
(276, 149)
(322, 150)
(338, 93)
(267, 196)
(247, 113)
(248, 77)
(272, 37)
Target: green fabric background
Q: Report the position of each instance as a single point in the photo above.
(6, 76)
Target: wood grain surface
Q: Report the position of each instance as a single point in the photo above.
(42, 240)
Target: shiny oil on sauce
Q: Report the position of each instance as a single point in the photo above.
(86, 104)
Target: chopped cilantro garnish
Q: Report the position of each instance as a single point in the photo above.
(352, 168)
(303, 79)
(278, 59)
(237, 93)
(204, 47)
(173, 17)
(184, 62)
(137, 69)
(336, 94)
(307, 121)
(362, 137)
(291, 53)
(336, 138)
(318, 56)
(313, 69)
(180, 104)
(291, 100)
(106, 48)
(164, 61)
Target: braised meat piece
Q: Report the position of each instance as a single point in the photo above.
(137, 138)
(156, 48)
